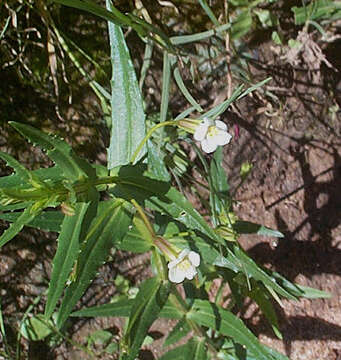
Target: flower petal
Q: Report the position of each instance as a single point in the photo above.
(176, 275)
(209, 145)
(220, 125)
(200, 132)
(194, 258)
(222, 138)
(190, 273)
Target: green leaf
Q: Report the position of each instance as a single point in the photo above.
(107, 228)
(263, 301)
(47, 220)
(242, 25)
(209, 12)
(186, 39)
(66, 255)
(158, 195)
(184, 352)
(315, 10)
(72, 166)
(147, 305)
(137, 239)
(36, 328)
(254, 87)
(311, 293)
(199, 349)
(123, 308)
(19, 169)
(296, 289)
(117, 309)
(247, 227)
(116, 17)
(53, 173)
(253, 270)
(219, 191)
(220, 108)
(25, 217)
(208, 314)
(180, 330)
(184, 90)
(156, 165)
(127, 115)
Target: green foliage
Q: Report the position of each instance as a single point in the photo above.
(127, 116)
(143, 210)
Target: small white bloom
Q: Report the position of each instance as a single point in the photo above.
(212, 134)
(184, 266)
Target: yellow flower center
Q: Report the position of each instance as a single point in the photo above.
(212, 131)
(184, 265)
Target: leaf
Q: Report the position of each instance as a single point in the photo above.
(117, 309)
(208, 314)
(166, 72)
(122, 308)
(36, 328)
(184, 90)
(47, 220)
(72, 166)
(184, 352)
(137, 239)
(311, 293)
(253, 270)
(219, 188)
(156, 165)
(247, 227)
(180, 330)
(186, 39)
(199, 349)
(147, 305)
(242, 25)
(107, 228)
(66, 255)
(25, 217)
(19, 169)
(315, 10)
(127, 115)
(209, 12)
(296, 289)
(220, 108)
(263, 301)
(116, 17)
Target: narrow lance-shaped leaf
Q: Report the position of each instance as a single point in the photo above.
(25, 217)
(58, 151)
(109, 226)
(66, 255)
(19, 169)
(263, 301)
(148, 303)
(120, 308)
(47, 220)
(180, 330)
(127, 115)
(208, 314)
(259, 274)
(123, 308)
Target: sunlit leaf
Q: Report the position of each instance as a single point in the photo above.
(127, 115)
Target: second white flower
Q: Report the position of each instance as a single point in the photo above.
(212, 134)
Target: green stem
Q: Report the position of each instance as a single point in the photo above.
(144, 218)
(149, 134)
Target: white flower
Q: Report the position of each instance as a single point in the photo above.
(211, 134)
(184, 266)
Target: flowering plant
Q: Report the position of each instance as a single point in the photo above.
(144, 212)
